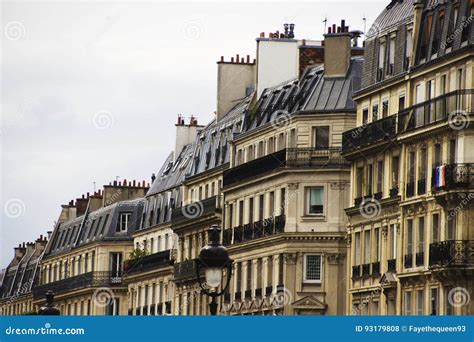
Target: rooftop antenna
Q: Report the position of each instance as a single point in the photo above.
(94, 185)
(325, 21)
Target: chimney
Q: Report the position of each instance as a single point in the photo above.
(30, 247)
(337, 51)
(19, 251)
(235, 80)
(153, 177)
(81, 205)
(40, 243)
(185, 134)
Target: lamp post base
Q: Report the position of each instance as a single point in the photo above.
(213, 306)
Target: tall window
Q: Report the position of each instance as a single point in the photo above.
(395, 170)
(421, 234)
(261, 206)
(393, 242)
(381, 67)
(384, 108)
(241, 213)
(411, 167)
(365, 116)
(375, 112)
(370, 179)
(272, 203)
(451, 227)
(420, 300)
(435, 226)
(315, 201)
(251, 204)
(115, 264)
(437, 154)
(452, 151)
(379, 176)
(423, 164)
(357, 248)
(367, 250)
(312, 268)
(408, 48)
(124, 220)
(409, 243)
(401, 102)
(321, 137)
(391, 56)
(407, 305)
(434, 302)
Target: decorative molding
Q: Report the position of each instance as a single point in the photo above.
(291, 258)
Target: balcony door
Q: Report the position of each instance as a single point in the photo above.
(115, 266)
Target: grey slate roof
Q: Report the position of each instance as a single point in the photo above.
(396, 13)
(99, 225)
(313, 93)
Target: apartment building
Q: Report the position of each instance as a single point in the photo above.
(83, 261)
(410, 218)
(20, 277)
(288, 185)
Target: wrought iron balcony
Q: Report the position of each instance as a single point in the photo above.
(369, 134)
(392, 265)
(268, 291)
(258, 292)
(421, 188)
(356, 271)
(238, 296)
(286, 158)
(420, 259)
(420, 115)
(194, 211)
(394, 192)
(408, 261)
(267, 227)
(149, 262)
(248, 294)
(185, 271)
(366, 270)
(410, 189)
(456, 176)
(452, 253)
(375, 269)
(82, 281)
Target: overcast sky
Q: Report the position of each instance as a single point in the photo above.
(91, 90)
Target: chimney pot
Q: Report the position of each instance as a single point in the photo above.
(237, 58)
(88, 195)
(143, 184)
(329, 29)
(333, 28)
(262, 34)
(134, 183)
(248, 58)
(232, 59)
(222, 58)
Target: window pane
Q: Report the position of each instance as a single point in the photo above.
(322, 137)
(313, 267)
(316, 201)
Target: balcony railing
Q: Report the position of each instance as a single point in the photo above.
(248, 294)
(377, 131)
(356, 271)
(453, 176)
(267, 227)
(194, 211)
(392, 265)
(152, 261)
(238, 296)
(394, 192)
(452, 253)
(185, 271)
(82, 281)
(291, 158)
(408, 260)
(268, 291)
(420, 115)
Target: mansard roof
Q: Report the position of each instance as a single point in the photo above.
(98, 225)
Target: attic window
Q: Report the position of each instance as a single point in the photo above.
(123, 223)
(167, 169)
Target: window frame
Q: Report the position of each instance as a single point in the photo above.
(321, 269)
(308, 201)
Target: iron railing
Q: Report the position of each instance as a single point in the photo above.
(82, 281)
(457, 176)
(152, 261)
(185, 271)
(248, 232)
(442, 108)
(286, 158)
(452, 253)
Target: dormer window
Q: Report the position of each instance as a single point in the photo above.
(382, 50)
(391, 54)
(124, 220)
(408, 48)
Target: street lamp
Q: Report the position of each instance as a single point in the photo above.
(213, 259)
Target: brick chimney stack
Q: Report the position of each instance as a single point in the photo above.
(337, 50)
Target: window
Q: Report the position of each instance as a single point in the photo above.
(408, 47)
(379, 176)
(113, 307)
(315, 201)
(434, 302)
(272, 203)
(124, 220)
(115, 264)
(421, 234)
(367, 250)
(407, 310)
(401, 102)
(359, 181)
(452, 151)
(312, 268)
(395, 171)
(251, 210)
(321, 137)
(451, 226)
(391, 58)
(385, 109)
(435, 219)
(261, 206)
(381, 61)
(293, 138)
(393, 245)
(241, 213)
(437, 155)
(409, 245)
(370, 179)
(357, 248)
(420, 299)
(365, 116)
(375, 112)
(378, 250)
(411, 167)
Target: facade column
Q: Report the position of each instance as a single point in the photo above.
(292, 199)
(278, 207)
(256, 274)
(264, 274)
(276, 270)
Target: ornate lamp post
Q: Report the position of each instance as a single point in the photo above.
(49, 309)
(213, 259)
